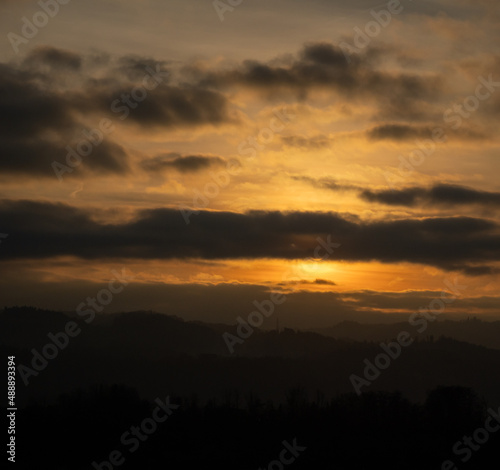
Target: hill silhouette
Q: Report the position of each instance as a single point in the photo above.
(239, 410)
(471, 330)
(154, 352)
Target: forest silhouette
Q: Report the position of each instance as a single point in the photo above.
(235, 411)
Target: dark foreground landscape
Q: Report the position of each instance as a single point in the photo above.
(250, 234)
(144, 390)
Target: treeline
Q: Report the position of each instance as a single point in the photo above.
(377, 429)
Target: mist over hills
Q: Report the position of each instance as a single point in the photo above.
(153, 352)
(471, 330)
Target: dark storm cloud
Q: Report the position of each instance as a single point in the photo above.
(324, 66)
(44, 106)
(398, 132)
(36, 126)
(42, 112)
(56, 58)
(326, 183)
(323, 54)
(323, 282)
(405, 132)
(34, 157)
(134, 66)
(318, 282)
(440, 194)
(479, 270)
(447, 243)
(168, 107)
(183, 164)
(141, 91)
(28, 109)
(314, 143)
(405, 197)
(437, 195)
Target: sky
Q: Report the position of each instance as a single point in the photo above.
(343, 154)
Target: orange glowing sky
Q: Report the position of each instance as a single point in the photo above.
(261, 137)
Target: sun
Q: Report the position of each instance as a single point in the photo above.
(312, 270)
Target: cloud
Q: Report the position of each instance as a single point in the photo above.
(444, 195)
(479, 270)
(170, 107)
(214, 303)
(405, 132)
(398, 132)
(318, 282)
(55, 58)
(324, 282)
(326, 183)
(323, 66)
(183, 164)
(133, 67)
(447, 243)
(36, 126)
(314, 142)
(438, 195)
(54, 94)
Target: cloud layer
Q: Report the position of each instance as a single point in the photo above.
(454, 243)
